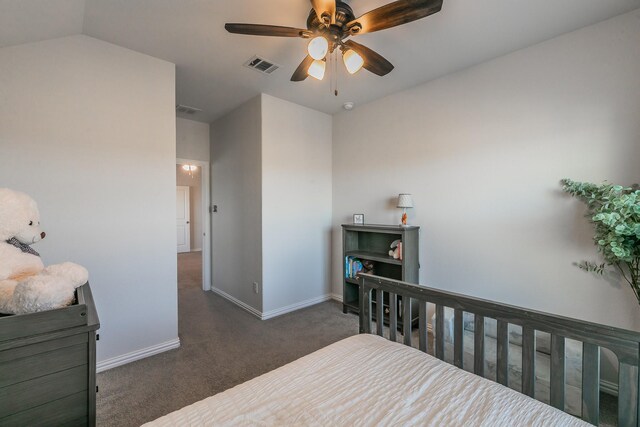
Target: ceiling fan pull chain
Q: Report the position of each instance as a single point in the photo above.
(332, 80)
(335, 72)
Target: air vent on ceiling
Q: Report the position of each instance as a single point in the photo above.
(186, 109)
(262, 65)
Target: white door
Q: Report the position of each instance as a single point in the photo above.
(182, 219)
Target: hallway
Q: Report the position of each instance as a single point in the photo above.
(190, 270)
(222, 345)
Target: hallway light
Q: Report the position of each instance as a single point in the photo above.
(190, 168)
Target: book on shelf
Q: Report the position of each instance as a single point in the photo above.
(352, 267)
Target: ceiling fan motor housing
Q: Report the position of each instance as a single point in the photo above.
(334, 33)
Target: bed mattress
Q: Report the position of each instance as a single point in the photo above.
(367, 380)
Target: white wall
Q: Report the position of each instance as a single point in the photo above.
(296, 204)
(483, 150)
(80, 121)
(192, 140)
(193, 180)
(236, 188)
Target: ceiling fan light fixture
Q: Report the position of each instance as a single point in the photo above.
(318, 47)
(317, 69)
(331, 22)
(352, 61)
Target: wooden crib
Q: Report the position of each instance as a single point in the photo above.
(624, 344)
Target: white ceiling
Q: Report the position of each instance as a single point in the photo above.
(210, 75)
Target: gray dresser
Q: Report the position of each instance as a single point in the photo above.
(48, 365)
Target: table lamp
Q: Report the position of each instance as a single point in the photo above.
(404, 201)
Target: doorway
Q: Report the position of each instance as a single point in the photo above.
(193, 223)
(184, 220)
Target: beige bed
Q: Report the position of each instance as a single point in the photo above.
(366, 380)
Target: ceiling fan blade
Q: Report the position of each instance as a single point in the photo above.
(373, 61)
(264, 30)
(325, 7)
(396, 13)
(301, 72)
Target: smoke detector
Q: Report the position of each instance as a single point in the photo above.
(348, 105)
(187, 110)
(262, 65)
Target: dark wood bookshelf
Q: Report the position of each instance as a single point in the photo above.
(371, 242)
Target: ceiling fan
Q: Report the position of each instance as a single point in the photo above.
(329, 26)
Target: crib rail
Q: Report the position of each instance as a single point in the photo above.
(623, 343)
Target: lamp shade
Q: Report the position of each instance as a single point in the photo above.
(316, 69)
(405, 200)
(318, 47)
(352, 61)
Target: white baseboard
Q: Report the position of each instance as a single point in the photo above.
(609, 387)
(337, 297)
(196, 250)
(237, 302)
(293, 307)
(271, 313)
(137, 355)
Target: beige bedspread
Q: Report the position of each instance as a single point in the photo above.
(366, 380)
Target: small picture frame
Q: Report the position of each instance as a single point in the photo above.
(358, 219)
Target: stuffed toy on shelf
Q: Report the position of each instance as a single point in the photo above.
(26, 285)
(396, 249)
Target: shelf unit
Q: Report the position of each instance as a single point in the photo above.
(372, 243)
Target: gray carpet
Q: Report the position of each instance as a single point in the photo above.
(222, 346)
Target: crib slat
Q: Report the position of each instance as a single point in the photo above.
(502, 375)
(528, 361)
(458, 349)
(440, 331)
(379, 312)
(406, 320)
(478, 345)
(422, 325)
(365, 309)
(590, 383)
(393, 316)
(628, 396)
(557, 372)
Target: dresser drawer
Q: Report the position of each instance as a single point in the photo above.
(48, 366)
(29, 394)
(68, 411)
(18, 370)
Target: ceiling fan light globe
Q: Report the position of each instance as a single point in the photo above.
(318, 47)
(352, 61)
(316, 69)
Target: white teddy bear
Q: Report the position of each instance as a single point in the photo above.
(26, 286)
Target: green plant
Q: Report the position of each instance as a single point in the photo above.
(615, 212)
